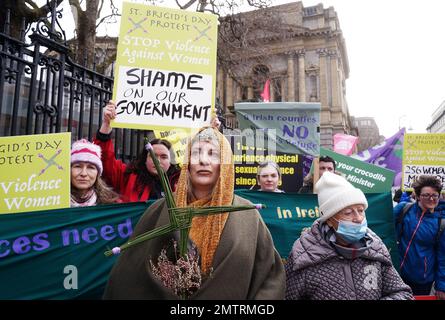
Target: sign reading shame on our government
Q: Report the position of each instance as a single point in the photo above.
(423, 154)
(165, 68)
(292, 126)
(35, 172)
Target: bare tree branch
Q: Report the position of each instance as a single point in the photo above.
(114, 13)
(100, 9)
(185, 6)
(107, 17)
(76, 4)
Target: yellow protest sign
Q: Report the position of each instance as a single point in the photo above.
(35, 172)
(178, 138)
(423, 154)
(165, 68)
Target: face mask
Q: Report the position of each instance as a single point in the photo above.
(350, 231)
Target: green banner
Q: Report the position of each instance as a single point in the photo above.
(367, 177)
(294, 127)
(287, 214)
(59, 254)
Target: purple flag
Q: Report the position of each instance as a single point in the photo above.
(387, 155)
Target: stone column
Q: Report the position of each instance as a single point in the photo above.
(250, 92)
(239, 93)
(220, 88)
(323, 78)
(335, 85)
(301, 76)
(290, 77)
(229, 91)
(283, 92)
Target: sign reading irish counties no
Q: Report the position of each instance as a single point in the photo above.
(35, 172)
(293, 127)
(165, 68)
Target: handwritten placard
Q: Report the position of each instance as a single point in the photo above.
(166, 68)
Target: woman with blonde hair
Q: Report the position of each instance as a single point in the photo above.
(269, 176)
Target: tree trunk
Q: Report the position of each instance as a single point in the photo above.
(86, 32)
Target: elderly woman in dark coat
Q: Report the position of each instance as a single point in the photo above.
(339, 258)
(237, 257)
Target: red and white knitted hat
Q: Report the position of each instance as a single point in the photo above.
(85, 151)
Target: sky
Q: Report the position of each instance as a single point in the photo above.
(396, 52)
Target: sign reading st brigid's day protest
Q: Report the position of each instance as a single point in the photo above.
(367, 177)
(34, 172)
(165, 68)
(292, 126)
(423, 154)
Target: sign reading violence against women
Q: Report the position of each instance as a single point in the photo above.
(35, 172)
(165, 68)
(293, 126)
(367, 177)
(423, 154)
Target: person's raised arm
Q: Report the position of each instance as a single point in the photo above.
(113, 169)
(109, 114)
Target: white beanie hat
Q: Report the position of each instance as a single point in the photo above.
(85, 151)
(336, 193)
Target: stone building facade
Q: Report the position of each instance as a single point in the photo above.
(368, 133)
(437, 124)
(308, 62)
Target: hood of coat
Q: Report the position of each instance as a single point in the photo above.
(312, 249)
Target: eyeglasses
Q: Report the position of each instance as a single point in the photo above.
(430, 196)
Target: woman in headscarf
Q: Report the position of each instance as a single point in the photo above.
(237, 257)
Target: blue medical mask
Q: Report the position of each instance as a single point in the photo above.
(352, 232)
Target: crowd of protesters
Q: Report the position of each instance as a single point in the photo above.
(337, 258)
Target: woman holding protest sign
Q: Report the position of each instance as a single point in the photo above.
(340, 258)
(139, 180)
(236, 255)
(87, 187)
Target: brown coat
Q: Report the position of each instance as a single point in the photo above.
(245, 265)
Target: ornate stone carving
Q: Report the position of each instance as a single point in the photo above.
(333, 53)
(300, 52)
(322, 52)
